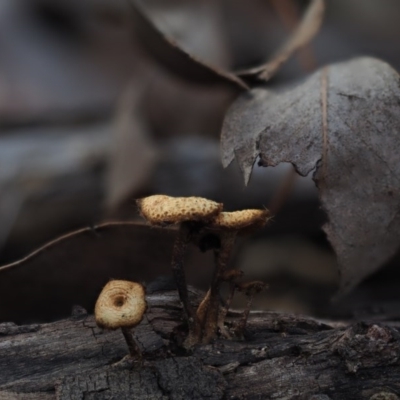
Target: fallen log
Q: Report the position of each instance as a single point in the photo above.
(281, 357)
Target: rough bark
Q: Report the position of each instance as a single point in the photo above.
(281, 357)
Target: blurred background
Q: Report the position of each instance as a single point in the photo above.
(89, 122)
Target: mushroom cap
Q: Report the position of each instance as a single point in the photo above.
(240, 220)
(121, 304)
(251, 288)
(232, 274)
(160, 209)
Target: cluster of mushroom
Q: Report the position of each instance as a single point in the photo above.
(202, 222)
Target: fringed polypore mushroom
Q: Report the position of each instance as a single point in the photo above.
(250, 289)
(122, 304)
(191, 214)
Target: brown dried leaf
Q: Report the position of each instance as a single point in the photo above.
(343, 123)
(133, 154)
(176, 60)
(196, 25)
(304, 33)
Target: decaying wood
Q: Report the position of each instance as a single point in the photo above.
(282, 357)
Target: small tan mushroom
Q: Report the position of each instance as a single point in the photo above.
(231, 277)
(192, 214)
(250, 289)
(228, 225)
(122, 304)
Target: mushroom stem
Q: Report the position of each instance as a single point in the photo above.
(134, 349)
(179, 273)
(201, 312)
(230, 277)
(232, 287)
(243, 321)
(222, 260)
(225, 310)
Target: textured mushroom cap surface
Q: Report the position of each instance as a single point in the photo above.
(120, 304)
(161, 209)
(238, 220)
